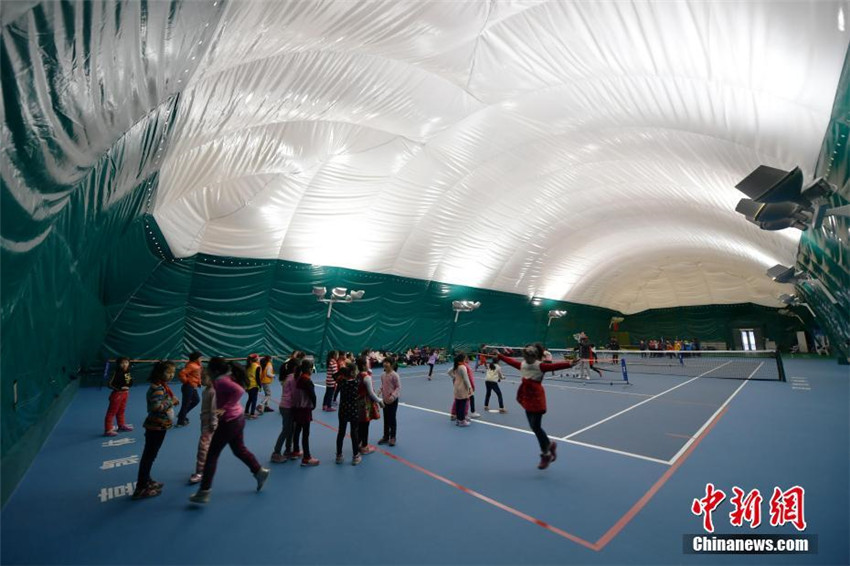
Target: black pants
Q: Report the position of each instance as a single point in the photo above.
(493, 386)
(472, 403)
(190, 401)
(535, 420)
(230, 433)
(328, 400)
(430, 371)
(153, 442)
(363, 433)
(355, 436)
(251, 405)
(302, 430)
(460, 409)
(390, 411)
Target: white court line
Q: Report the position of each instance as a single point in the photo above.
(550, 384)
(711, 419)
(584, 444)
(636, 405)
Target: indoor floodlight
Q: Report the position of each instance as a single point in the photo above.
(357, 295)
(557, 314)
(782, 274)
(338, 293)
(319, 292)
(778, 200)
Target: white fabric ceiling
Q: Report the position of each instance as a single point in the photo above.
(580, 151)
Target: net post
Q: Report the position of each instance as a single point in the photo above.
(780, 368)
(624, 369)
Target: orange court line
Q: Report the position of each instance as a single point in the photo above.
(641, 503)
(484, 498)
(605, 538)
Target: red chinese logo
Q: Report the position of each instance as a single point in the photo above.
(707, 505)
(746, 508)
(787, 507)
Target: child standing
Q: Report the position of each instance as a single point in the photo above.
(494, 376)
(209, 421)
(390, 391)
(462, 388)
(532, 396)
(366, 404)
(120, 384)
(229, 382)
(349, 416)
(303, 403)
(253, 388)
(190, 376)
(160, 401)
(266, 379)
(432, 359)
(284, 439)
(330, 382)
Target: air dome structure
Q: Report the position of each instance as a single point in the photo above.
(177, 176)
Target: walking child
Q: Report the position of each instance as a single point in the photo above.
(209, 422)
(253, 387)
(266, 380)
(190, 376)
(229, 382)
(462, 389)
(160, 401)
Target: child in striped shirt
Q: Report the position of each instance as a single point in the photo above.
(330, 382)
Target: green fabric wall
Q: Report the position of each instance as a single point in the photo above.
(825, 253)
(712, 323)
(87, 92)
(231, 307)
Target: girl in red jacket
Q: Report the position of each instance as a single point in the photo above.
(532, 396)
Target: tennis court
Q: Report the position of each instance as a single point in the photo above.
(632, 460)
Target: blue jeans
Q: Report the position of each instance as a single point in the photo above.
(190, 401)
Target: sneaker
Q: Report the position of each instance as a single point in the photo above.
(463, 423)
(486, 408)
(294, 455)
(367, 450)
(203, 496)
(453, 418)
(545, 459)
(157, 485)
(383, 441)
(331, 410)
(279, 458)
(110, 433)
(340, 459)
(392, 441)
(196, 478)
(125, 428)
(309, 462)
(182, 423)
(145, 493)
(262, 475)
(325, 409)
(251, 417)
(268, 410)
(356, 460)
(553, 451)
(474, 415)
(503, 410)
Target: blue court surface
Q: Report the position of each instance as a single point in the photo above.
(631, 461)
